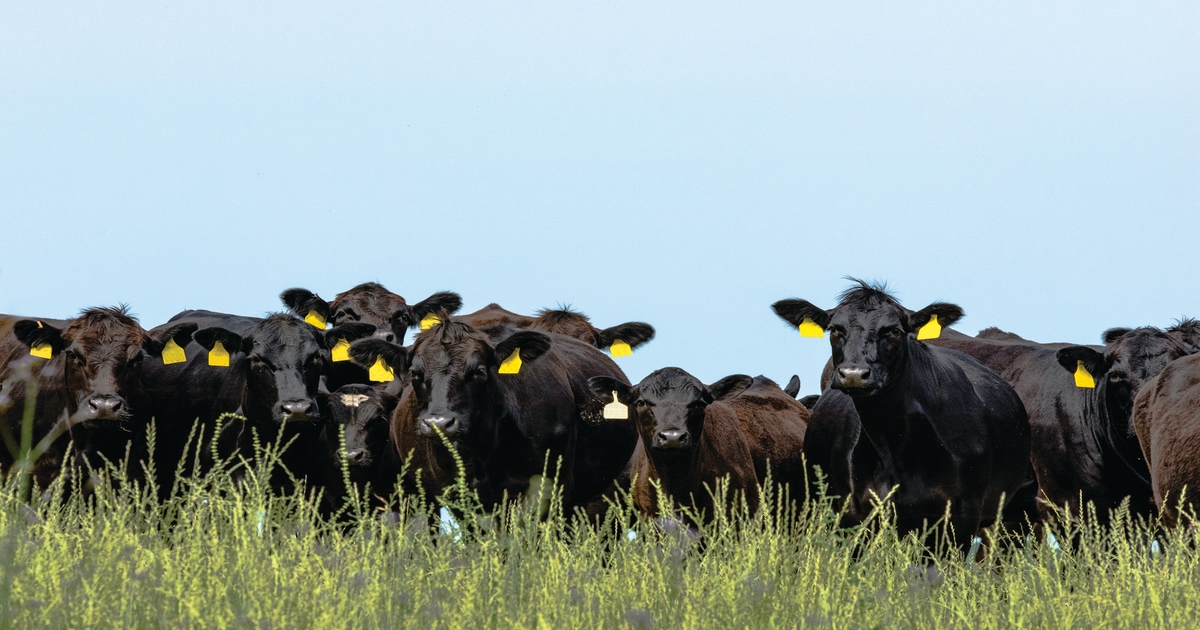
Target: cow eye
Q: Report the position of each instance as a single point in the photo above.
(481, 374)
(837, 332)
(893, 333)
(641, 402)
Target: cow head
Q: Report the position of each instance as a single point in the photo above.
(281, 359)
(455, 375)
(363, 413)
(368, 303)
(99, 357)
(869, 333)
(668, 406)
(565, 321)
(1187, 330)
(1130, 359)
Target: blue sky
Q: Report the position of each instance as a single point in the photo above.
(684, 164)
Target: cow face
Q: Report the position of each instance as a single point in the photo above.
(362, 414)
(668, 406)
(282, 359)
(367, 303)
(454, 373)
(869, 333)
(1131, 358)
(99, 356)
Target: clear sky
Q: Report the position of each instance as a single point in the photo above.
(684, 164)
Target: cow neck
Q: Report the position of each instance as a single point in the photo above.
(1112, 434)
(887, 417)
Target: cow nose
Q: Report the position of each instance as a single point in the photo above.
(105, 405)
(354, 457)
(296, 408)
(855, 376)
(445, 424)
(386, 335)
(673, 438)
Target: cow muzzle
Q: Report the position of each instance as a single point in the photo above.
(447, 424)
(672, 439)
(854, 380)
(103, 407)
(297, 411)
(357, 457)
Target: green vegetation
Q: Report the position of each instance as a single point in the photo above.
(226, 553)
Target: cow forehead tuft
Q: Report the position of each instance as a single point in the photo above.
(354, 400)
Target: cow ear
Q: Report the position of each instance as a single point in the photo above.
(443, 301)
(1094, 362)
(1113, 334)
(1187, 330)
(350, 332)
(793, 386)
(181, 334)
(795, 312)
(39, 335)
(947, 315)
(365, 352)
(531, 343)
(301, 302)
(810, 401)
(603, 387)
(231, 341)
(633, 333)
(729, 386)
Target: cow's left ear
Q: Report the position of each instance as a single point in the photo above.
(947, 314)
(181, 334)
(729, 386)
(633, 334)
(43, 339)
(527, 345)
(445, 302)
(306, 305)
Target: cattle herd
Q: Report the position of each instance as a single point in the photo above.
(977, 428)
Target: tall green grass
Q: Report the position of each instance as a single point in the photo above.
(225, 552)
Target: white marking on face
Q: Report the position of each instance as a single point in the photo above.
(354, 400)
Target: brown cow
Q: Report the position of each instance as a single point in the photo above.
(563, 321)
(1166, 416)
(692, 435)
(87, 375)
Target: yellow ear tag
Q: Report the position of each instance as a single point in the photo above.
(931, 330)
(172, 353)
(512, 364)
(809, 328)
(340, 351)
(315, 319)
(1083, 378)
(429, 321)
(218, 356)
(615, 410)
(619, 349)
(42, 350)
(380, 372)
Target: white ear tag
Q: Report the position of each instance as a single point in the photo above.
(616, 410)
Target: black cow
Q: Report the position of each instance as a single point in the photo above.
(1187, 330)
(367, 303)
(933, 423)
(356, 434)
(505, 402)
(87, 374)
(266, 370)
(694, 435)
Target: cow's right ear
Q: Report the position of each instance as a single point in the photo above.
(1094, 362)
(603, 387)
(230, 341)
(365, 352)
(306, 305)
(795, 312)
(730, 386)
(1113, 334)
(447, 302)
(181, 334)
(351, 332)
(43, 339)
(632, 333)
(793, 386)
